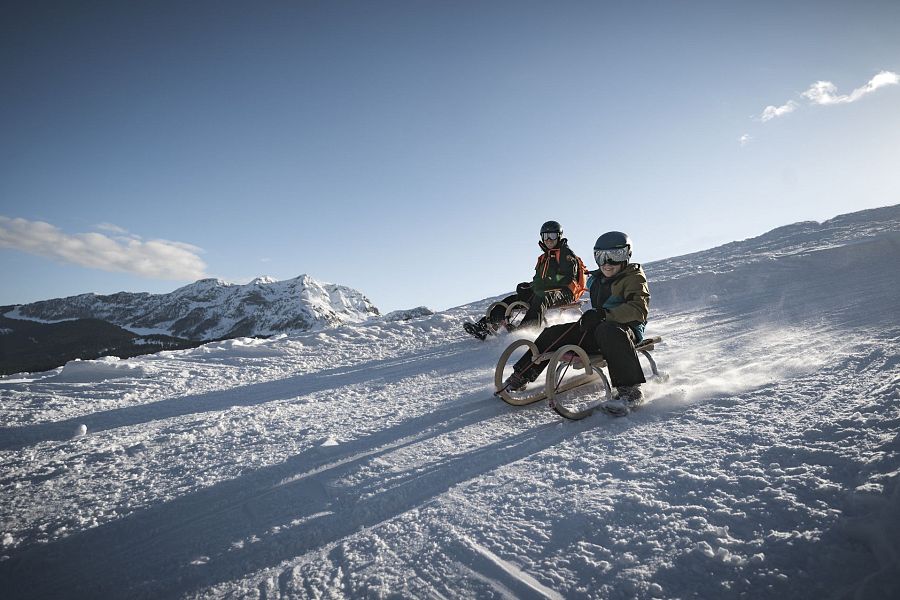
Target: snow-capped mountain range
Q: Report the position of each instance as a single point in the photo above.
(213, 309)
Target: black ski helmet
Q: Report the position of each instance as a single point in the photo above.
(612, 240)
(552, 227)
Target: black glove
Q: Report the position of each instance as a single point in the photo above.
(590, 319)
(524, 291)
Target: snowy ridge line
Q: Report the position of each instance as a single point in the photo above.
(799, 240)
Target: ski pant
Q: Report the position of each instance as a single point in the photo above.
(615, 342)
(538, 303)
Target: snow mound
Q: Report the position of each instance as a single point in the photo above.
(88, 371)
(241, 347)
(408, 314)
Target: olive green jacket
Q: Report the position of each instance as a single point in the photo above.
(625, 297)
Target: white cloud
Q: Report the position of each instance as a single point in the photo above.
(778, 111)
(745, 139)
(158, 259)
(825, 92)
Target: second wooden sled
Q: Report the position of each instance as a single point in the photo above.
(514, 312)
(575, 383)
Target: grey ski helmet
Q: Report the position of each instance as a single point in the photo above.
(612, 246)
(552, 227)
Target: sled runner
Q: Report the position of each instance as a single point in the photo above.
(575, 384)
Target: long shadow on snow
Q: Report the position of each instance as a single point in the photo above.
(150, 553)
(441, 361)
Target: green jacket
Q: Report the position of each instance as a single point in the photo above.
(625, 297)
(556, 268)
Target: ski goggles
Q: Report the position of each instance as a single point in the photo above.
(611, 255)
(550, 235)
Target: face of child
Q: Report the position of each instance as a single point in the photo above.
(610, 270)
(550, 240)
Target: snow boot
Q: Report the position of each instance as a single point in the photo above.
(631, 395)
(479, 329)
(515, 382)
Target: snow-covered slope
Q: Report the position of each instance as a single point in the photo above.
(797, 240)
(371, 461)
(211, 309)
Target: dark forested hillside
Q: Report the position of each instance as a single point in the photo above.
(33, 346)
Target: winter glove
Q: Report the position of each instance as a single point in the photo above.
(523, 290)
(590, 319)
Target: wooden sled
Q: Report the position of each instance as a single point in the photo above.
(514, 312)
(575, 384)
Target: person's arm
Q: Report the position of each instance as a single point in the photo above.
(567, 272)
(538, 283)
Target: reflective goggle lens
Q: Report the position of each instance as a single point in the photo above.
(550, 235)
(611, 255)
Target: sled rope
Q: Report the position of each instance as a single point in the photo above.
(537, 358)
(568, 363)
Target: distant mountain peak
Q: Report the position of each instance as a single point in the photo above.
(212, 308)
(208, 283)
(263, 280)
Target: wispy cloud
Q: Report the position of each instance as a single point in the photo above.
(112, 228)
(825, 93)
(745, 139)
(771, 112)
(157, 259)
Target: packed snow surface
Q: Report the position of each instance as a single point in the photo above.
(372, 461)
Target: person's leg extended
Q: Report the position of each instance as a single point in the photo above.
(615, 343)
(541, 302)
(549, 339)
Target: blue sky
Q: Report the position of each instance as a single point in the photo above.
(412, 150)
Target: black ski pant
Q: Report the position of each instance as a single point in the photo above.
(538, 303)
(615, 342)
